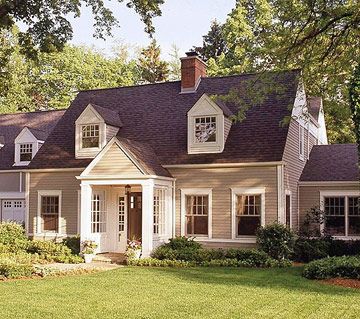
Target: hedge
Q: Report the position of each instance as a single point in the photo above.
(332, 267)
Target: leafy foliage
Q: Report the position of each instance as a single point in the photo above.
(276, 240)
(321, 37)
(332, 267)
(151, 68)
(73, 243)
(354, 93)
(48, 22)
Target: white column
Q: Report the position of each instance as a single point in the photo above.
(85, 212)
(147, 217)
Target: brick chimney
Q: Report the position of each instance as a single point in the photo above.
(192, 70)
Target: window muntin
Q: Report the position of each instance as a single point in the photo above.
(7, 204)
(301, 142)
(354, 215)
(197, 214)
(248, 214)
(98, 213)
(25, 152)
(90, 136)
(50, 213)
(205, 129)
(159, 211)
(121, 213)
(342, 215)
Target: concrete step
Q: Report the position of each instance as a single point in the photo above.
(112, 258)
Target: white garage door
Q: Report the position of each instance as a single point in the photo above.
(13, 210)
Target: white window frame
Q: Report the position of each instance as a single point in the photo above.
(92, 128)
(103, 210)
(195, 191)
(216, 129)
(160, 211)
(43, 193)
(301, 142)
(26, 148)
(339, 193)
(246, 191)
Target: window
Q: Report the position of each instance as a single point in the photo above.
(26, 152)
(205, 129)
(90, 136)
(50, 213)
(98, 213)
(342, 215)
(288, 210)
(18, 204)
(159, 211)
(248, 214)
(197, 212)
(7, 204)
(121, 210)
(301, 142)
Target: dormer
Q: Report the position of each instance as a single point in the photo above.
(27, 144)
(94, 127)
(2, 141)
(208, 126)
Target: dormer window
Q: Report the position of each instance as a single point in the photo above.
(205, 129)
(208, 126)
(26, 152)
(90, 136)
(94, 127)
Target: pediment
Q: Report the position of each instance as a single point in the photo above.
(205, 106)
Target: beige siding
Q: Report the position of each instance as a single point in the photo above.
(63, 181)
(111, 131)
(227, 127)
(10, 182)
(309, 197)
(115, 162)
(221, 180)
(294, 166)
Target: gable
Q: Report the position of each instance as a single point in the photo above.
(89, 116)
(205, 106)
(25, 136)
(114, 161)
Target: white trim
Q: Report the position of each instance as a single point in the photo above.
(246, 191)
(38, 215)
(329, 183)
(280, 194)
(122, 177)
(224, 165)
(79, 210)
(243, 240)
(302, 140)
(339, 193)
(100, 155)
(195, 191)
(12, 195)
(27, 202)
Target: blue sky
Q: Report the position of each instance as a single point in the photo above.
(183, 23)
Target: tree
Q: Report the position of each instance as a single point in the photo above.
(48, 22)
(174, 64)
(214, 43)
(53, 81)
(321, 37)
(354, 93)
(151, 68)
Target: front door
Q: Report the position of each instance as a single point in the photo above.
(135, 216)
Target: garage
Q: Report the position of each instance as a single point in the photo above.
(13, 210)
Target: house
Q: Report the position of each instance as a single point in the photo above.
(158, 160)
(21, 136)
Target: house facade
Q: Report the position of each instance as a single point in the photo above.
(160, 160)
(21, 136)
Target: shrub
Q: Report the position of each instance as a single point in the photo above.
(53, 252)
(307, 250)
(153, 262)
(276, 240)
(182, 242)
(73, 243)
(11, 269)
(332, 267)
(13, 237)
(255, 257)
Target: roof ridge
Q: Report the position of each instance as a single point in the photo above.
(33, 112)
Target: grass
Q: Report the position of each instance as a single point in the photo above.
(178, 293)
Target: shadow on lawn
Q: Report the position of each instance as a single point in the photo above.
(289, 279)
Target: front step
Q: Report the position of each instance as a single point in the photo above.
(112, 258)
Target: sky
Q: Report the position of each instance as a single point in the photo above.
(183, 22)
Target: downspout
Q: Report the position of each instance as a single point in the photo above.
(173, 210)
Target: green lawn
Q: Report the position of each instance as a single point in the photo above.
(178, 293)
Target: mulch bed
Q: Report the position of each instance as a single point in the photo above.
(343, 282)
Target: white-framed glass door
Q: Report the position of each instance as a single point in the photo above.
(121, 230)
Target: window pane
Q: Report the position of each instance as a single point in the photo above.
(335, 225)
(205, 129)
(334, 208)
(25, 152)
(354, 225)
(90, 136)
(247, 225)
(197, 209)
(50, 213)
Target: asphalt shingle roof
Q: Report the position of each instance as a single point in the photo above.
(40, 124)
(156, 115)
(337, 162)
